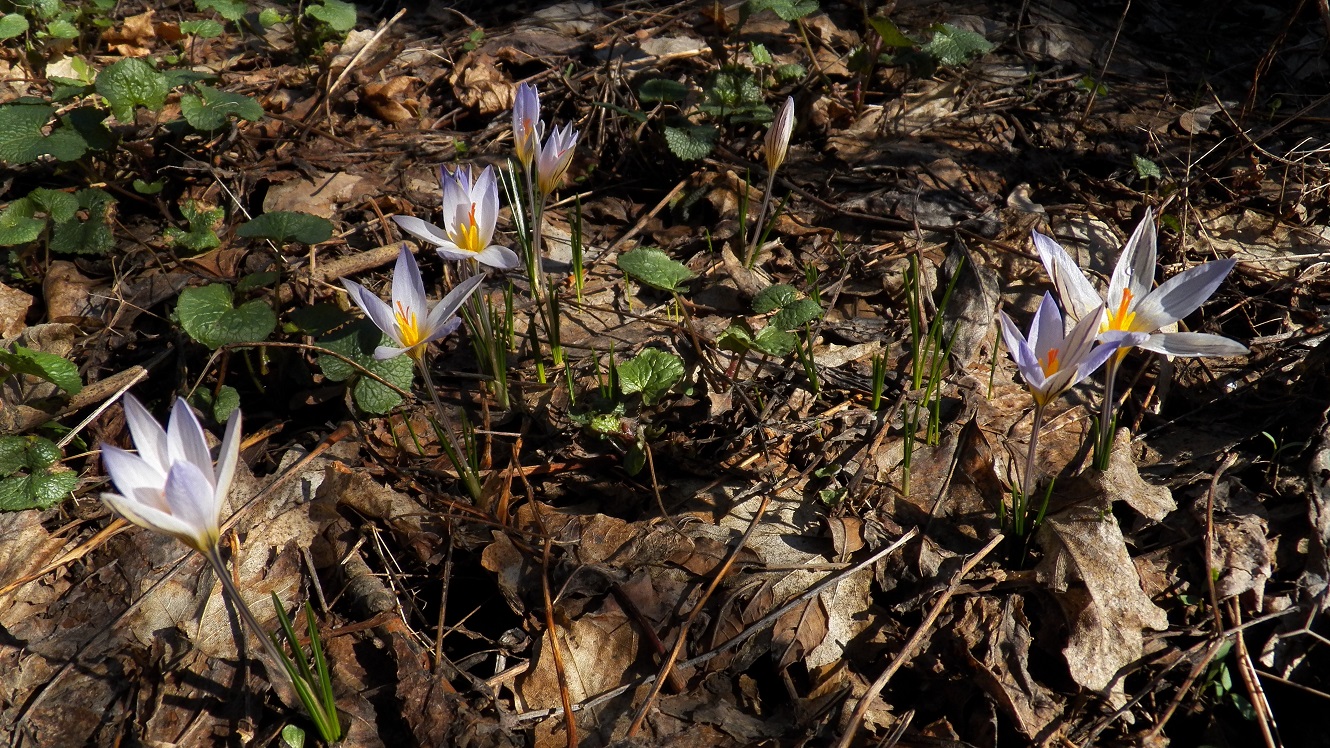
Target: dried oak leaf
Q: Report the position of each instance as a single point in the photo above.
(389, 101)
(134, 38)
(997, 638)
(478, 84)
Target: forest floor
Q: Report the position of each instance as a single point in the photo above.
(688, 532)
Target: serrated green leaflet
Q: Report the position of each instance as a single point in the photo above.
(1145, 168)
(60, 206)
(221, 405)
(17, 225)
(774, 297)
(12, 25)
(954, 46)
(690, 142)
(92, 236)
(37, 491)
(340, 16)
(130, 83)
(787, 10)
(62, 29)
(202, 234)
(796, 315)
(652, 373)
(208, 316)
(12, 451)
(284, 226)
(357, 342)
(204, 29)
(654, 268)
(22, 140)
(211, 109)
(231, 10)
(54, 369)
(774, 341)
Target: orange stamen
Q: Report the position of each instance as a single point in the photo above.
(407, 327)
(1053, 364)
(1122, 319)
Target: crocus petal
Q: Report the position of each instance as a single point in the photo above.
(1189, 344)
(385, 352)
(227, 459)
(1135, 271)
(526, 123)
(1180, 295)
(456, 197)
(148, 435)
(1081, 337)
(1046, 330)
(375, 308)
(185, 441)
(1078, 296)
(150, 518)
(135, 478)
(453, 252)
(189, 493)
(445, 329)
(1026, 361)
(449, 305)
(408, 287)
(777, 142)
(500, 258)
(422, 230)
(485, 196)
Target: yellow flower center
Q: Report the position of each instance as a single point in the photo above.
(468, 237)
(1122, 318)
(408, 327)
(1051, 365)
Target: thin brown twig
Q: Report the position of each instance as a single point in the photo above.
(917, 640)
(1265, 717)
(564, 695)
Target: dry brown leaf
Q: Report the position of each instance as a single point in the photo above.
(1089, 572)
(479, 84)
(320, 197)
(599, 650)
(391, 101)
(134, 38)
(14, 306)
(69, 294)
(997, 637)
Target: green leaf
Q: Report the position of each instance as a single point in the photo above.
(654, 268)
(36, 491)
(257, 280)
(269, 17)
(790, 71)
(22, 140)
(662, 89)
(737, 338)
(208, 316)
(129, 83)
(59, 206)
(774, 341)
(796, 315)
(788, 10)
(17, 224)
(148, 188)
(41, 453)
(761, 56)
(954, 46)
(62, 29)
(652, 373)
(732, 89)
(221, 405)
(318, 319)
(92, 236)
(357, 342)
(13, 450)
(1145, 168)
(13, 25)
(210, 111)
(206, 28)
(891, 34)
(293, 736)
(54, 369)
(283, 226)
(774, 297)
(88, 124)
(231, 10)
(340, 16)
(690, 142)
(202, 234)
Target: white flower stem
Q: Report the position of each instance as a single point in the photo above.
(272, 657)
(1105, 446)
(1028, 480)
(761, 220)
(458, 455)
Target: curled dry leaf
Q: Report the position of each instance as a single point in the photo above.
(997, 644)
(14, 306)
(481, 86)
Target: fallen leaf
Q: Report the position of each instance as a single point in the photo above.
(134, 37)
(478, 84)
(320, 197)
(390, 101)
(14, 306)
(997, 644)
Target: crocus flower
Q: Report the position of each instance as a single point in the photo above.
(470, 209)
(555, 157)
(778, 137)
(1052, 361)
(170, 486)
(527, 127)
(409, 321)
(1132, 305)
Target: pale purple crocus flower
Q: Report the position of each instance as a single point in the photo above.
(527, 127)
(170, 486)
(1052, 361)
(409, 321)
(470, 210)
(555, 157)
(777, 142)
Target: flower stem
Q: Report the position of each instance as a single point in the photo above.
(1028, 480)
(272, 657)
(455, 451)
(761, 220)
(1105, 446)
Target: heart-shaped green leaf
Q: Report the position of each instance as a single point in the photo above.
(796, 315)
(92, 236)
(54, 369)
(690, 142)
(231, 10)
(357, 342)
(339, 15)
(284, 226)
(210, 110)
(652, 373)
(40, 490)
(17, 224)
(23, 141)
(208, 316)
(12, 25)
(130, 83)
(654, 268)
(774, 297)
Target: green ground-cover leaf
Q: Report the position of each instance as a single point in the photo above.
(231, 10)
(58, 371)
(12, 25)
(774, 297)
(689, 141)
(202, 234)
(212, 108)
(130, 83)
(339, 15)
(796, 315)
(787, 10)
(43, 486)
(357, 342)
(221, 405)
(205, 28)
(654, 268)
(17, 224)
(652, 373)
(952, 46)
(283, 226)
(207, 314)
(662, 90)
(92, 236)
(22, 139)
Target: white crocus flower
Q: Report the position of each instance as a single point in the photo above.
(470, 210)
(170, 486)
(1052, 361)
(409, 321)
(555, 157)
(1133, 305)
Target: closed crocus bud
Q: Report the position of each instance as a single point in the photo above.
(778, 137)
(527, 127)
(170, 486)
(555, 157)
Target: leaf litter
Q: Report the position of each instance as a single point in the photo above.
(456, 622)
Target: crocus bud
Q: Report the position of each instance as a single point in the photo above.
(555, 157)
(527, 127)
(778, 137)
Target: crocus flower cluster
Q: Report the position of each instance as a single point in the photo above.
(550, 160)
